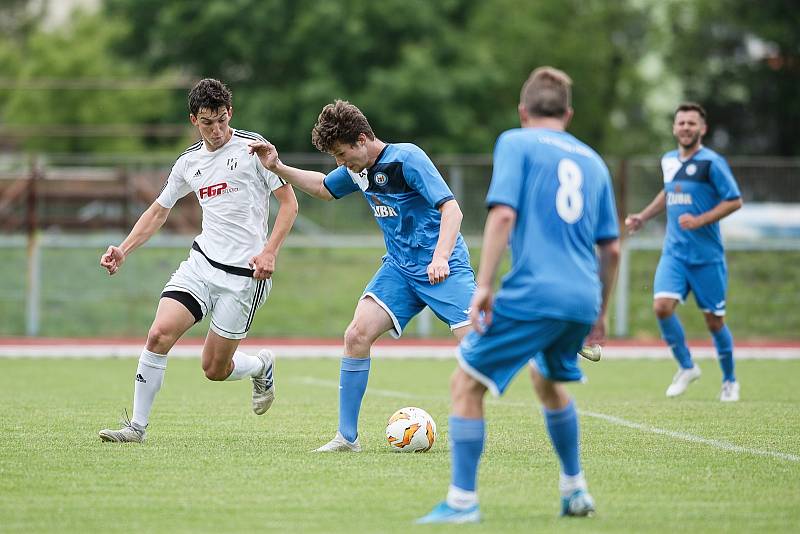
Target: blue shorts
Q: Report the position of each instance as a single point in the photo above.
(494, 357)
(709, 283)
(403, 296)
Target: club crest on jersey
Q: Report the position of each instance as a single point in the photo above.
(381, 179)
(691, 169)
(232, 163)
(216, 190)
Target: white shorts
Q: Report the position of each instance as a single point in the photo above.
(231, 299)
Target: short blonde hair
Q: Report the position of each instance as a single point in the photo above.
(547, 93)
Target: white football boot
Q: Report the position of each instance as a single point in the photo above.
(730, 391)
(681, 381)
(264, 385)
(129, 433)
(339, 444)
(592, 353)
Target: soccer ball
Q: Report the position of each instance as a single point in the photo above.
(411, 430)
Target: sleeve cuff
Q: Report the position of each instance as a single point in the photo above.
(325, 183)
(443, 200)
(492, 203)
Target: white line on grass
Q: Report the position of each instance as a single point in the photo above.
(724, 445)
(718, 444)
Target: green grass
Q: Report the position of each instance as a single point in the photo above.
(762, 296)
(210, 465)
(316, 290)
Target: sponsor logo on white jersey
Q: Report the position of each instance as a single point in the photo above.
(216, 190)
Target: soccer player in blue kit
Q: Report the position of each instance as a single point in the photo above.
(699, 190)
(426, 261)
(552, 195)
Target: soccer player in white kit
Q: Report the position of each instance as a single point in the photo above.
(228, 272)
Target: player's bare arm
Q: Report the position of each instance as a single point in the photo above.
(147, 225)
(264, 263)
(608, 253)
(688, 221)
(439, 268)
(636, 221)
(499, 224)
(310, 182)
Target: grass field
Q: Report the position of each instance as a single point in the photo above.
(210, 465)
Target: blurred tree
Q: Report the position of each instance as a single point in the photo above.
(445, 74)
(741, 60)
(598, 43)
(18, 17)
(47, 96)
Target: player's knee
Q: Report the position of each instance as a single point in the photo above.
(542, 387)
(714, 322)
(216, 376)
(215, 372)
(553, 395)
(663, 308)
(159, 339)
(356, 337)
(463, 385)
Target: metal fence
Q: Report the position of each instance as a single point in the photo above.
(52, 201)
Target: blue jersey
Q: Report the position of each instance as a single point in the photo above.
(562, 193)
(404, 190)
(695, 186)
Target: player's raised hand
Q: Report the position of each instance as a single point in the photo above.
(263, 265)
(634, 223)
(266, 152)
(438, 270)
(112, 260)
(480, 310)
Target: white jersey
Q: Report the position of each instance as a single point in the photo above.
(233, 188)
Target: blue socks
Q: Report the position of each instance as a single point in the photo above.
(672, 332)
(466, 445)
(353, 378)
(562, 425)
(723, 341)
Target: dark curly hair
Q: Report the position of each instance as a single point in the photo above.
(210, 94)
(340, 122)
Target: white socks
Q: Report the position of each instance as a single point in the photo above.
(149, 377)
(460, 499)
(244, 366)
(568, 485)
